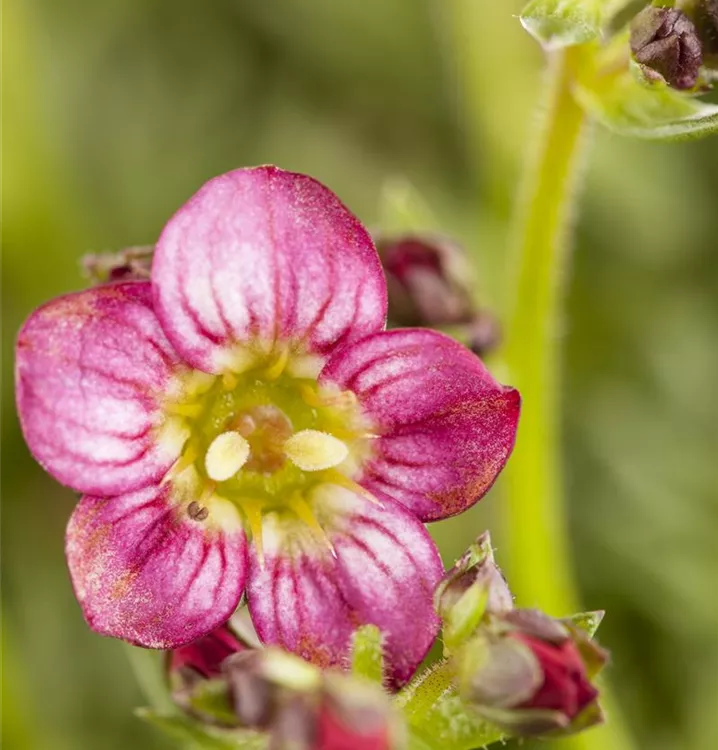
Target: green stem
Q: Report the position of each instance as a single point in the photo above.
(538, 553)
(149, 673)
(537, 534)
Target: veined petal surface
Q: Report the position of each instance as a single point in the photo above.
(261, 255)
(90, 367)
(144, 571)
(445, 426)
(383, 571)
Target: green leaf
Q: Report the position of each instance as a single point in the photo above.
(586, 621)
(631, 108)
(196, 736)
(563, 23)
(367, 654)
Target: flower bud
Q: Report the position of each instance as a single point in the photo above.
(355, 715)
(665, 43)
(302, 708)
(531, 674)
(204, 657)
(194, 671)
(428, 279)
(132, 263)
(473, 587)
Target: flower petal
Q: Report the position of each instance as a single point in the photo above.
(265, 254)
(385, 566)
(145, 572)
(89, 367)
(446, 426)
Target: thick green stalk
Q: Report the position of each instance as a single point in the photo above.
(537, 534)
(537, 537)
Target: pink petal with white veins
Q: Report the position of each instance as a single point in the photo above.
(90, 368)
(144, 571)
(385, 571)
(446, 426)
(265, 255)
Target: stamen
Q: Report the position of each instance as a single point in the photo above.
(253, 513)
(336, 477)
(277, 367)
(341, 400)
(312, 450)
(226, 456)
(184, 410)
(183, 462)
(304, 513)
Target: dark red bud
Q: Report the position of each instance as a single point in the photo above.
(132, 263)
(428, 279)
(565, 687)
(205, 656)
(664, 41)
(531, 674)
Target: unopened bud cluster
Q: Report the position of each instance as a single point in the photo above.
(677, 45)
(520, 669)
(221, 681)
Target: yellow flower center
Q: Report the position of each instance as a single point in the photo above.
(259, 438)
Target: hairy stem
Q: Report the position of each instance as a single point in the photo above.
(539, 554)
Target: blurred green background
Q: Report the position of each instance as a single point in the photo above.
(114, 112)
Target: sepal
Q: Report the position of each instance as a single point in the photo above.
(473, 587)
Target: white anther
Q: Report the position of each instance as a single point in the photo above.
(312, 450)
(226, 456)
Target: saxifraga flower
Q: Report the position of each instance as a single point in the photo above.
(250, 388)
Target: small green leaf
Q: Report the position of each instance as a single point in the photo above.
(202, 737)
(586, 621)
(563, 23)
(367, 654)
(628, 107)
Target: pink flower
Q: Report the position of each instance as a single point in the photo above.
(250, 387)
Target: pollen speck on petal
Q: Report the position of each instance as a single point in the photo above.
(144, 571)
